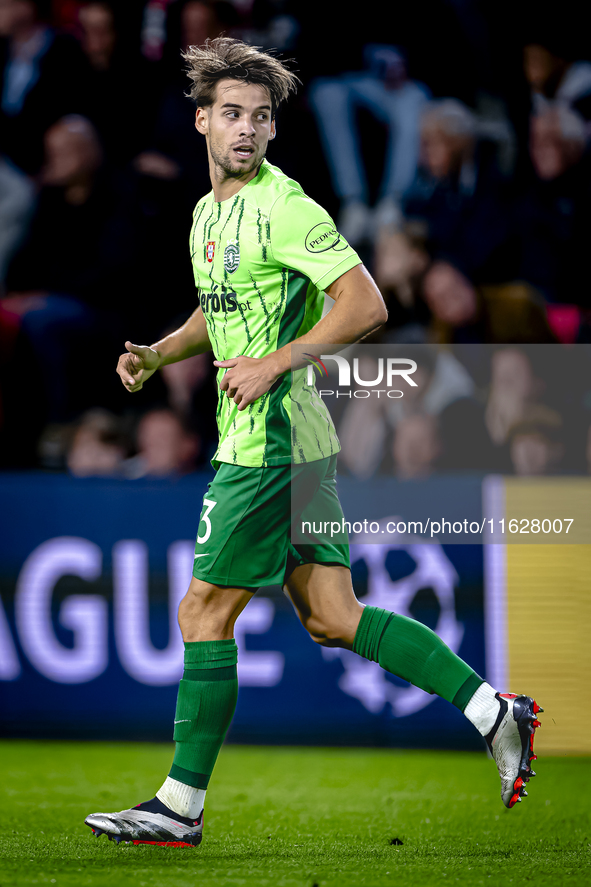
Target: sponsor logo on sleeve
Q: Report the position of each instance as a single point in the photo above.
(323, 237)
(231, 256)
(210, 250)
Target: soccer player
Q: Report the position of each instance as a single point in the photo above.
(263, 255)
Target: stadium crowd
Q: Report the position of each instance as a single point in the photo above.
(451, 148)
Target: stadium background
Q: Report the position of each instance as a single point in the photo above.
(100, 495)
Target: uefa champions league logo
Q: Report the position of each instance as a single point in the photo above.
(365, 680)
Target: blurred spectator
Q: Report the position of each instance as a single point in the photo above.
(450, 295)
(553, 217)
(513, 390)
(428, 31)
(536, 445)
(121, 112)
(458, 195)
(183, 378)
(273, 25)
(191, 23)
(455, 249)
(192, 394)
(365, 422)
(17, 199)
(153, 32)
(517, 421)
(557, 141)
(555, 76)
(441, 379)
(174, 151)
(385, 90)
(164, 445)
(200, 19)
(416, 446)
(98, 446)
(72, 278)
(99, 38)
(333, 46)
(460, 312)
(448, 131)
(42, 77)
(362, 429)
(399, 264)
(513, 312)
(540, 392)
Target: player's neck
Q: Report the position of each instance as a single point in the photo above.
(225, 186)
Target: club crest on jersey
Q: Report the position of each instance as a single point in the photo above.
(210, 250)
(231, 256)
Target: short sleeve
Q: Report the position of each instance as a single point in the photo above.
(304, 238)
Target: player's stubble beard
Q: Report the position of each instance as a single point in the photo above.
(230, 168)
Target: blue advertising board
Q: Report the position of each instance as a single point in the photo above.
(91, 574)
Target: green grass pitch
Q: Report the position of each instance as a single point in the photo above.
(284, 817)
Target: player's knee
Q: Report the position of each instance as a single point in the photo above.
(327, 635)
(204, 613)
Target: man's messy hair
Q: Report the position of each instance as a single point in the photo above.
(225, 57)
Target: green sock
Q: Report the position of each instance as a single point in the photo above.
(204, 709)
(412, 651)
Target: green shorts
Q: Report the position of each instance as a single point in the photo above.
(244, 538)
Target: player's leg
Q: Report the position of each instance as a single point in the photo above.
(325, 602)
(241, 545)
(324, 599)
(205, 707)
(207, 692)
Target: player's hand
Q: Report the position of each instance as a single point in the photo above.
(247, 378)
(137, 365)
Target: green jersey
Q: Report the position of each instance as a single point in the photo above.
(262, 260)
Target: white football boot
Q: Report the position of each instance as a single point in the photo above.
(148, 823)
(511, 743)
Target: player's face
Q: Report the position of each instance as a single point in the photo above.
(238, 127)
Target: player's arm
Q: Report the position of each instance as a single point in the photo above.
(359, 309)
(141, 361)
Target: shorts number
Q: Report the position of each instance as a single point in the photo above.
(210, 505)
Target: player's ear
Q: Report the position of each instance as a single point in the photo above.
(202, 121)
(273, 132)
